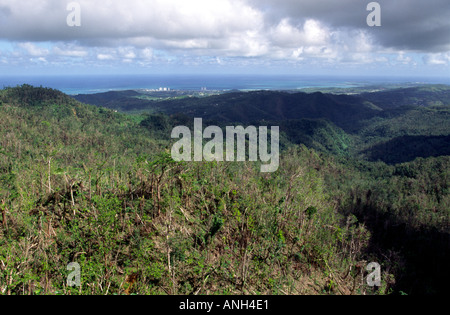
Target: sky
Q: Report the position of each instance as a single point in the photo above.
(224, 36)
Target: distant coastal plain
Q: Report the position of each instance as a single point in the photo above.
(90, 84)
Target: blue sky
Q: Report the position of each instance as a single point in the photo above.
(225, 36)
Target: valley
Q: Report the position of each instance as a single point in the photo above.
(89, 179)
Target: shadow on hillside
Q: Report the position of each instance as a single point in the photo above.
(407, 148)
(422, 257)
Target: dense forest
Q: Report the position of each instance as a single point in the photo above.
(362, 178)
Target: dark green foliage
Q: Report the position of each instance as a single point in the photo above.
(216, 225)
(339, 124)
(28, 95)
(126, 101)
(310, 212)
(408, 148)
(85, 184)
(248, 107)
(435, 95)
(318, 134)
(158, 122)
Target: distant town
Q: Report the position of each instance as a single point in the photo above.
(168, 89)
(170, 93)
(161, 89)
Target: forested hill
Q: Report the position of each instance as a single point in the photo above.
(30, 96)
(367, 124)
(86, 184)
(126, 99)
(247, 107)
(348, 112)
(415, 96)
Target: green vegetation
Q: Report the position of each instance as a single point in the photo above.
(86, 184)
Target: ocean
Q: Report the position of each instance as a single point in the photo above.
(89, 84)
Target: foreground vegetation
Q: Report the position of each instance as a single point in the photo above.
(89, 185)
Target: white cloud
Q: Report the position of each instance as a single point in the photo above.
(33, 50)
(127, 19)
(105, 57)
(315, 34)
(288, 36)
(219, 32)
(146, 53)
(437, 59)
(69, 51)
(401, 58)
